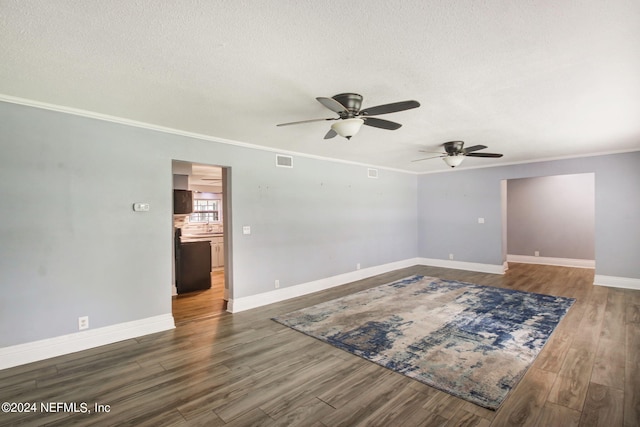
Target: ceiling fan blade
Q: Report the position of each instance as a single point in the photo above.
(331, 134)
(427, 158)
(331, 104)
(389, 108)
(306, 121)
(495, 155)
(474, 148)
(433, 152)
(380, 123)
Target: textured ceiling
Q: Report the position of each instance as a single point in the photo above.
(530, 79)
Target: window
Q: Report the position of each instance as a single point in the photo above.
(205, 211)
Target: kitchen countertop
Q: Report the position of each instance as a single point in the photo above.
(199, 237)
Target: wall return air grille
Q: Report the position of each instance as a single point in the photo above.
(283, 161)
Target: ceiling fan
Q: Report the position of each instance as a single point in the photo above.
(351, 117)
(455, 153)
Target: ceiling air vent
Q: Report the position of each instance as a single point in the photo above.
(372, 173)
(283, 161)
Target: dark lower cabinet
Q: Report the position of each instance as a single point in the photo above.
(193, 266)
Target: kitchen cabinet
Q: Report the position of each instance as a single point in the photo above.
(217, 252)
(216, 244)
(193, 267)
(182, 202)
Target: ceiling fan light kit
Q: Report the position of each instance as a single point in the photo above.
(453, 161)
(347, 127)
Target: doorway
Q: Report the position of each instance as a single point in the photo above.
(549, 220)
(201, 236)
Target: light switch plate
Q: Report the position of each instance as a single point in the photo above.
(480, 220)
(141, 207)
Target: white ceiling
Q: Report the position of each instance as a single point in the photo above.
(530, 79)
(206, 176)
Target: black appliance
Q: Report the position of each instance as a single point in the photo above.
(193, 265)
(182, 202)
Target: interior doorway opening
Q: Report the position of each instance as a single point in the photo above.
(549, 220)
(201, 233)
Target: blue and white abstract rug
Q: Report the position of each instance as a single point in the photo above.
(471, 341)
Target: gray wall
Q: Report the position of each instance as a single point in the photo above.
(72, 245)
(450, 203)
(554, 215)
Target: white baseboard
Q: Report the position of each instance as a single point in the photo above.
(616, 282)
(463, 265)
(51, 347)
(39, 350)
(561, 262)
(246, 303)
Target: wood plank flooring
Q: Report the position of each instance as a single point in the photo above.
(246, 370)
(200, 304)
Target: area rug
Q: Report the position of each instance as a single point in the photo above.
(471, 341)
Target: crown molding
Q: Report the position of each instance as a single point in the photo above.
(150, 126)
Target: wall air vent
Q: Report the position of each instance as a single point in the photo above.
(372, 173)
(283, 161)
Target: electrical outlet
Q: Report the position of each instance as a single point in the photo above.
(450, 256)
(358, 266)
(83, 323)
(277, 284)
(536, 253)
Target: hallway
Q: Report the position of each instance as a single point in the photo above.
(201, 304)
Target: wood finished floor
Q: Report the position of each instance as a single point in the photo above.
(200, 304)
(246, 370)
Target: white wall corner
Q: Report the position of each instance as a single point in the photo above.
(22, 354)
(560, 262)
(616, 282)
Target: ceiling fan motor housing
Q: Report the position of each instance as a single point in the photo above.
(351, 102)
(453, 147)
